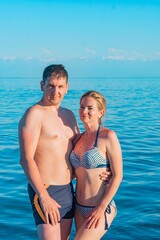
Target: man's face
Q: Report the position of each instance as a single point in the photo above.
(54, 90)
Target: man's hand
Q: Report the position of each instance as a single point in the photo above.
(50, 209)
(106, 176)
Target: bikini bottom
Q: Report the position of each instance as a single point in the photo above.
(85, 210)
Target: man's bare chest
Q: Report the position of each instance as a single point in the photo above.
(55, 129)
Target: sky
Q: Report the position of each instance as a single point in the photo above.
(118, 38)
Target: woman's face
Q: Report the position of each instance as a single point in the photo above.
(89, 112)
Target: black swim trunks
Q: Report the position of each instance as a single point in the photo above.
(62, 194)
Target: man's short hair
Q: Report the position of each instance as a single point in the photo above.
(55, 71)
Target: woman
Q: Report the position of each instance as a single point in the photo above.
(96, 150)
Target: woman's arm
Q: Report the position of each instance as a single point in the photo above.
(115, 158)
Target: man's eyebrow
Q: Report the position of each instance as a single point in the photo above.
(52, 84)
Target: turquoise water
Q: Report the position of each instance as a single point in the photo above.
(133, 112)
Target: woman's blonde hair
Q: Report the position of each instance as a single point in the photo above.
(100, 99)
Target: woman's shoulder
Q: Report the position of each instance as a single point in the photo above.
(76, 138)
(107, 133)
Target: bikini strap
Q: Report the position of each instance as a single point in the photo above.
(76, 139)
(97, 136)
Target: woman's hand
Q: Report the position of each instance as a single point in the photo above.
(95, 217)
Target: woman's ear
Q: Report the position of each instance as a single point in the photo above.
(101, 112)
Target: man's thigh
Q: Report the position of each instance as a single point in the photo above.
(49, 232)
(65, 225)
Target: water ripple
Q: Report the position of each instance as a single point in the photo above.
(132, 111)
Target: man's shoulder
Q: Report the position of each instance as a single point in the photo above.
(70, 119)
(66, 110)
(32, 112)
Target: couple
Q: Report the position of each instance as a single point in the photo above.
(52, 150)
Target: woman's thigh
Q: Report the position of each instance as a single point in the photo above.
(96, 233)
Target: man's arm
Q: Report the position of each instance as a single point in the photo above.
(29, 132)
(106, 176)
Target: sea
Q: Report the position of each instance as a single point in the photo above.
(133, 112)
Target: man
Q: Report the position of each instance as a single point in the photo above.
(46, 131)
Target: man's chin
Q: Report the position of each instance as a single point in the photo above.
(55, 102)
